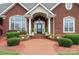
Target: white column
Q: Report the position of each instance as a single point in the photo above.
(53, 26)
(29, 25)
(49, 25)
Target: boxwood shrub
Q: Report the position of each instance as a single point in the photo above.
(13, 41)
(65, 42)
(12, 34)
(73, 37)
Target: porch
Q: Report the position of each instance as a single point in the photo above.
(40, 23)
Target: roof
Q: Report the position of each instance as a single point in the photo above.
(42, 7)
(29, 5)
(4, 6)
(49, 5)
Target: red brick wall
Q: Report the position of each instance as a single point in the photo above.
(61, 12)
(16, 10)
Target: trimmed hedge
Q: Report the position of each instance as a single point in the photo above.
(73, 37)
(65, 42)
(12, 34)
(13, 41)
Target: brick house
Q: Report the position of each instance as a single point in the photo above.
(57, 18)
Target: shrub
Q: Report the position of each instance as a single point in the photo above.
(46, 29)
(13, 41)
(12, 34)
(73, 37)
(65, 42)
(23, 33)
(32, 29)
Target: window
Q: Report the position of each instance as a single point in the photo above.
(68, 6)
(17, 23)
(69, 24)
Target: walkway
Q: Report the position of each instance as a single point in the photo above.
(39, 47)
(32, 47)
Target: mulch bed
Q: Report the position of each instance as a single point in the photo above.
(3, 45)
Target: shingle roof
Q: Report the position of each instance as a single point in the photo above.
(4, 6)
(27, 5)
(49, 5)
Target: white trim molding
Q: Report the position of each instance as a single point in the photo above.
(70, 19)
(12, 5)
(54, 6)
(41, 6)
(68, 6)
(10, 18)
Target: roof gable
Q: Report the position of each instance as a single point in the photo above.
(10, 6)
(39, 10)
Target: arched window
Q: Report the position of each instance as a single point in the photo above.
(17, 23)
(68, 24)
(68, 6)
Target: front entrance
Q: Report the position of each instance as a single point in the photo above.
(39, 27)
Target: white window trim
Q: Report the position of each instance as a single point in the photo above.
(73, 25)
(14, 24)
(68, 8)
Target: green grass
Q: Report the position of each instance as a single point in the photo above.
(9, 53)
(69, 53)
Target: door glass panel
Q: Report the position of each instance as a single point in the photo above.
(39, 28)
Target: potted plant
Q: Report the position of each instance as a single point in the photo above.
(32, 31)
(46, 31)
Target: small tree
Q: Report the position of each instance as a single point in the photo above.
(32, 29)
(46, 30)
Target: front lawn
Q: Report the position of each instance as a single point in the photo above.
(69, 53)
(8, 53)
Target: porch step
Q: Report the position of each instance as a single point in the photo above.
(38, 36)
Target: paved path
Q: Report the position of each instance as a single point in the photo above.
(38, 47)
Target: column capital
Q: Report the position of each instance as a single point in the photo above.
(28, 16)
(49, 16)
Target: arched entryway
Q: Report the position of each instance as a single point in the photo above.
(39, 22)
(40, 12)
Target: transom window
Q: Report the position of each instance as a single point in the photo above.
(17, 23)
(69, 24)
(68, 6)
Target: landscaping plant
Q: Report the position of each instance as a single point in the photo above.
(73, 37)
(13, 41)
(13, 38)
(12, 34)
(65, 42)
